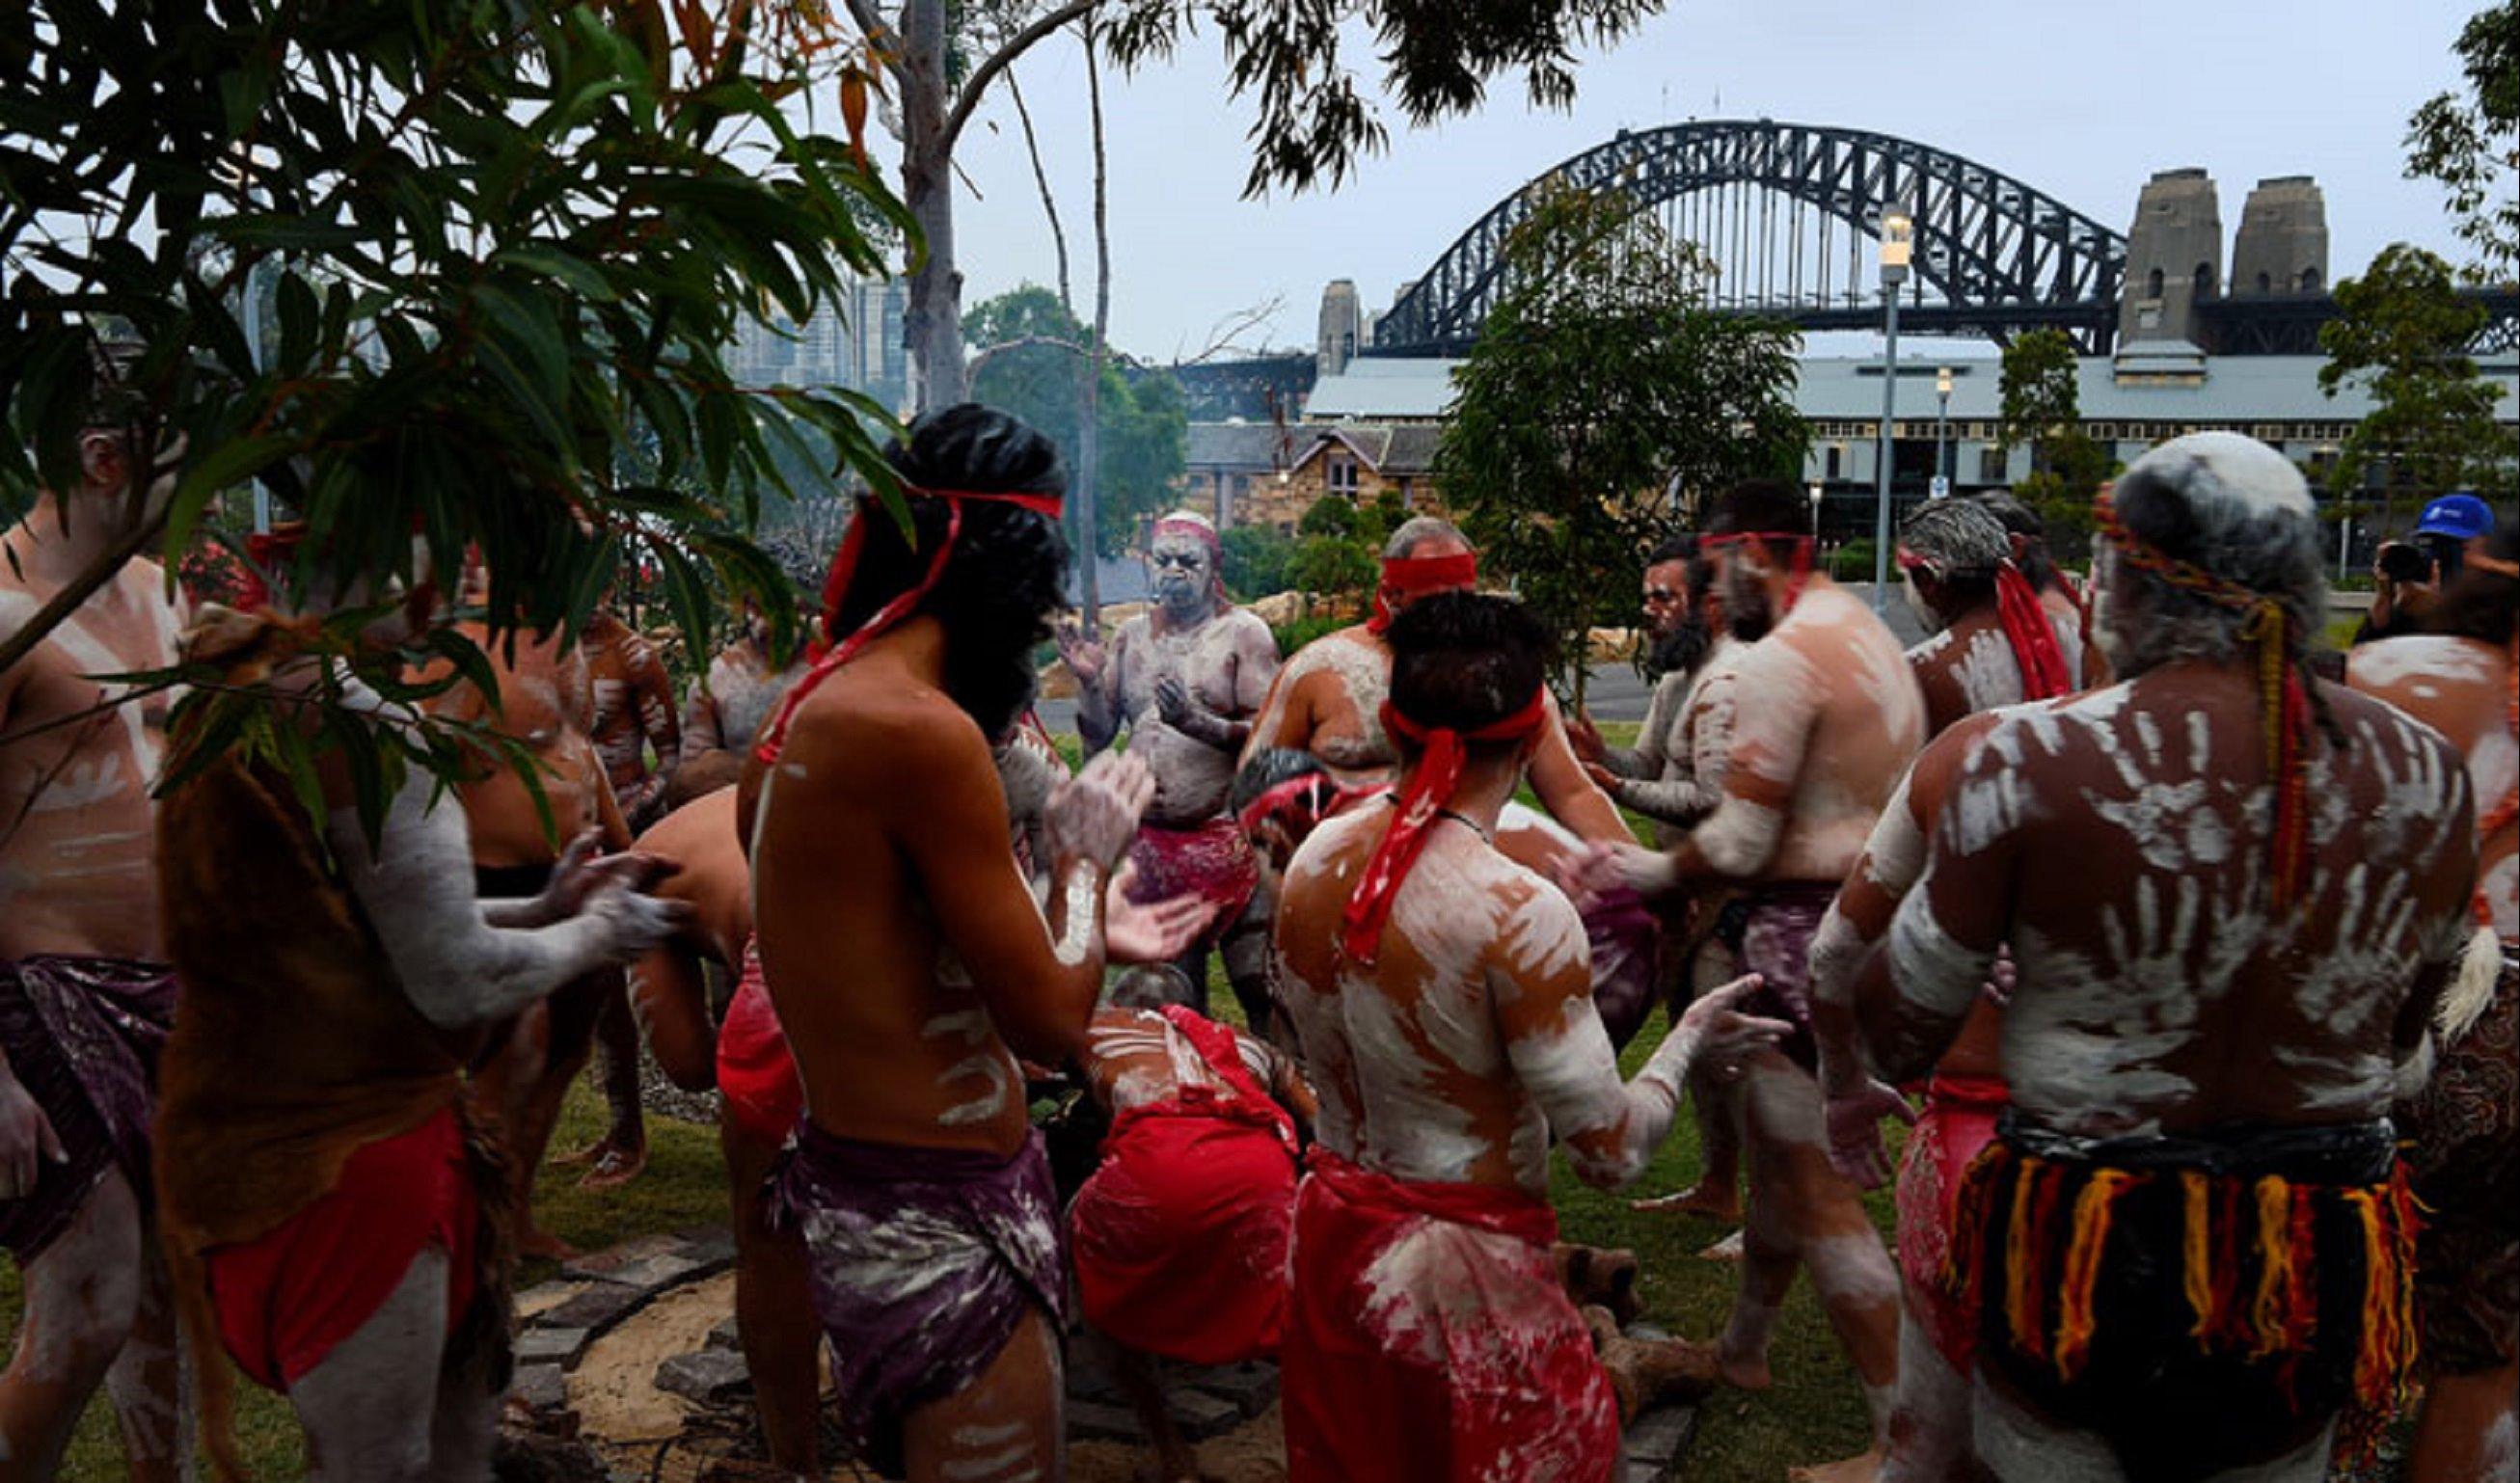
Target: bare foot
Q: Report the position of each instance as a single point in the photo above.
(1721, 1202)
(1863, 1469)
(542, 1243)
(1743, 1371)
(1727, 1250)
(613, 1167)
(1647, 1372)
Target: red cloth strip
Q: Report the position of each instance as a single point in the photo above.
(1416, 576)
(2034, 640)
(1429, 789)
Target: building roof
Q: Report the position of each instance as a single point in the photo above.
(1383, 391)
(1392, 450)
(2150, 380)
(1244, 445)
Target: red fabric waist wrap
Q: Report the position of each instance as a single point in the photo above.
(1183, 1235)
(288, 1298)
(756, 1073)
(1430, 1338)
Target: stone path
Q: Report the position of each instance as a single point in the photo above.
(628, 1368)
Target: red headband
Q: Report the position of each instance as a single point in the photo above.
(2044, 675)
(1430, 787)
(1418, 575)
(845, 568)
(1327, 798)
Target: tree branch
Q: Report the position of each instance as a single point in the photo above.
(1041, 177)
(999, 61)
(1052, 341)
(871, 21)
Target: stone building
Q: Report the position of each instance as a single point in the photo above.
(1261, 475)
(2174, 258)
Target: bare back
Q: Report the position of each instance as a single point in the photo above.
(1970, 666)
(2118, 845)
(1137, 1058)
(1327, 700)
(547, 701)
(76, 822)
(2460, 687)
(1826, 718)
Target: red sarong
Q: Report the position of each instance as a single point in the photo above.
(1181, 1236)
(1429, 1339)
(286, 1299)
(1212, 861)
(1955, 1126)
(756, 1073)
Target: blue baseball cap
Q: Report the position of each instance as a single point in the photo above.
(2462, 517)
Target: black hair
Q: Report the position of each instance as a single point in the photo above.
(1008, 573)
(1758, 507)
(2482, 603)
(1269, 767)
(1678, 548)
(1464, 660)
(2399, 561)
(2019, 519)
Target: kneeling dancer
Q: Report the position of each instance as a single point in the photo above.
(326, 1214)
(2192, 1240)
(909, 964)
(1443, 995)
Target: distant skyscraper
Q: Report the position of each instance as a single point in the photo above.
(856, 346)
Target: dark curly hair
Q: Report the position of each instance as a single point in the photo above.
(1464, 660)
(1269, 767)
(1008, 573)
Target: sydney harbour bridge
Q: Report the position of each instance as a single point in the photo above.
(1789, 216)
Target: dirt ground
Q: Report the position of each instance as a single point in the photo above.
(1253, 1453)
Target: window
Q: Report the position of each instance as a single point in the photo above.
(2310, 280)
(1341, 477)
(2265, 283)
(1990, 465)
(1836, 458)
(2204, 279)
(2156, 282)
(1407, 501)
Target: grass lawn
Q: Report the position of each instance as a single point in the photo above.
(1814, 1414)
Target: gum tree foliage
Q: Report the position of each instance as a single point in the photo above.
(1601, 404)
(2043, 407)
(503, 245)
(1031, 351)
(1314, 120)
(2471, 144)
(2403, 333)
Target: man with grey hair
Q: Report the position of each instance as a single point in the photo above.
(1989, 641)
(1185, 677)
(2191, 1235)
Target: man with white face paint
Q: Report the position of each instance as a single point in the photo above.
(86, 998)
(1825, 720)
(1991, 641)
(2463, 1129)
(330, 1219)
(910, 965)
(1443, 995)
(1186, 678)
(2191, 1239)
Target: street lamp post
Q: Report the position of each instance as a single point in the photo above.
(1815, 504)
(1943, 428)
(1897, 241)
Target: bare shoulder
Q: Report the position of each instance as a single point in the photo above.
(1246, 628)
(2416, 666)
(2397, 732)
(1539, 932)
(888, 733)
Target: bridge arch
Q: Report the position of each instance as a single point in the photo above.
(1993, 254)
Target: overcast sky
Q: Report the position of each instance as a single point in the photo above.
(2083, 101)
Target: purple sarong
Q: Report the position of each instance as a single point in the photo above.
(923, 1263)
(83, 1035)
(1625, 939)
(1770, 931)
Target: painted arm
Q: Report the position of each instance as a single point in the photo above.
(1696, 789)
(703, 730)
(1912, 998)
(1099, 711)
(1558, 778)
(27, 1140)
(944, 809)
(1644, 762)
(1761, 760)
(1539, 981)
(1286, 716)
(652, 692)
(458, 967)
(2446, 898)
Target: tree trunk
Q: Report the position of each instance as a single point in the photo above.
(932, 326)
(1089, 432)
